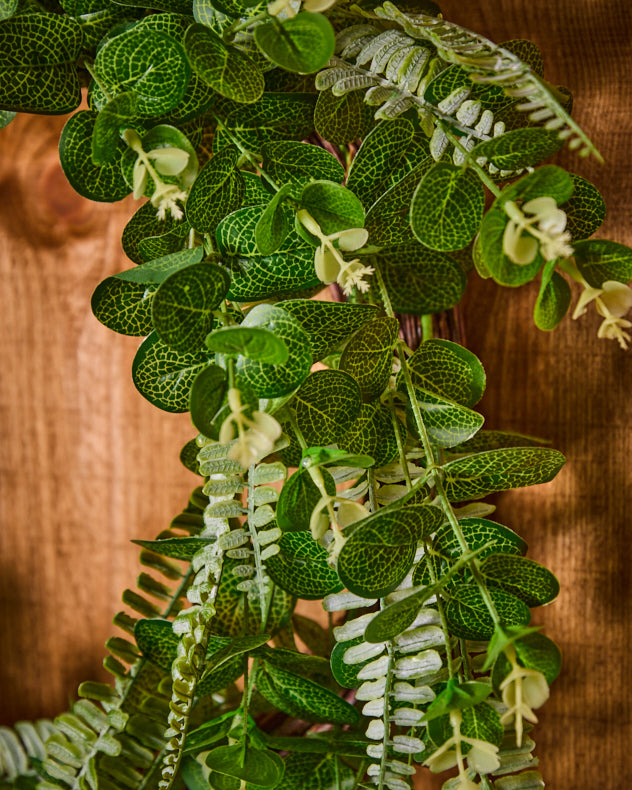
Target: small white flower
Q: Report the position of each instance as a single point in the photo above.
(545, 228)
(522, 690)
(352, 276)
(256, 436)
(612, 301)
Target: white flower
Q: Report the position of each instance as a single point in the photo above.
(612, 301)
(545, 228)
(352, 275)
(522, 690)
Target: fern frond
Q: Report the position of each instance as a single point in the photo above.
(21, 746)
(489, 64)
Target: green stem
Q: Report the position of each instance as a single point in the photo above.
(427, 327)
(238, 25)
(398, 438)
(89, 67)
(255, 546)
(441, 611)
(386, 713)
(372, 499)
(248, 154)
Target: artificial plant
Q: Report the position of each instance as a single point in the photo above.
(240, 123)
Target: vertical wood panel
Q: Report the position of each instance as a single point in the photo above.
(86, 464)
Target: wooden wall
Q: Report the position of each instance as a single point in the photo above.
(86, 464)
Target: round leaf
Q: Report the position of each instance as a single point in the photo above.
(299, 496)
(469, 618)
(251, 342)
(326, 405)
(333, 206)
(206, 398)
(260, 768)
(301, 567)
(303, 44)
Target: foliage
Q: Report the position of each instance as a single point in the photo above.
(357, 482)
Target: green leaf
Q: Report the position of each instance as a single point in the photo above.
(124, 307)
(176, 548)
(379, 153)
(586, 209)
(368, 356)
(301, 567)
(458, 696)
(519, 148)
(157, 641)
(193, 774)
(476, 476)
(311, 667)
(292, 162)
(447, 207)
(8, 8)
(497, 440)
(255, 276)
(316, 771)
(216, 192)
(274, 379)
(103, 183)
(274, 224)
(532, 583)
(303, 699)
(553, 301)
(210, 732)
(302, 44)
(116, 116)
(236, 647)
(182, 308)
(150, 63)
(373, 435)
(299, 496)
(420, 281)
(447, 423)
(326, 405)
(448, 370)
(478, 533)
(275, 116)
(346, 675)
(38, 63)
(342, 119)
(224, 67)
(146, 238)
(328, 324)
(381, 548)
(311, 633)
(164, 376)
(600, 260)
(207, 395)
(343, 743)
(252, 342)
(261, 768)
(397, 617)
(6, 117)
(321, 456)
(469, 618)
(156, 271)
(388, 219)
(333, 206)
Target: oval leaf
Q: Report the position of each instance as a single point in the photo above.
(303, 44)
(301, 567)
(326, 405)
(368, 356)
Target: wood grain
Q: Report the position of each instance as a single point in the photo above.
(86, 464)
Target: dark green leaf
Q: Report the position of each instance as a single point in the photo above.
(210, 732)
(420, 281)
(449, 371)
(236, 647)
(328, 324)
(326, 405)
(519, 148)
(252, 342)
(6, 116)
(292, 162)
(346, 675)
(124, 307)
(188, 456)
(343, 742)
(103, 183)
(176, 548)
(381, 548)
(458, 696)
(217, 191)
(182, 308)
(388, 219)
(302, 698)
(478, 532)
(342, 119)
(155, 272)
(448, 423)
(316, 771)
(312, 667)
(311, 633)
(275, 116)
(469, 618)
(150, 63)
(193, 774)
(146, 238)
(8, 8)
(38, 63)
(321, 456)
(274, 224)
(397, 617)
(164, 376)
(207, 395)
(447, 207)
(373, 434)
(222, 66)
(600, 260)
(299, 496)
(333, 206)
(303, 43)
(157, 641)
(553, 301)
(532, 583)
(260, 768)
(586, 209)
(476, 476)
(497, 440)
(274, 379)
(116, 116)
(380, 151)
(301, 567)
(368, 356)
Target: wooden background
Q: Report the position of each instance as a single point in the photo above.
(86, 464)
